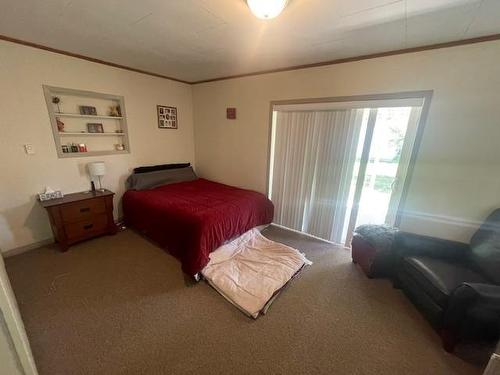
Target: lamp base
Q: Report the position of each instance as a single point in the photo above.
(101, 189)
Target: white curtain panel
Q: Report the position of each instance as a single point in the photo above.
(314, 155)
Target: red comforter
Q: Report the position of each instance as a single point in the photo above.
(192, 219)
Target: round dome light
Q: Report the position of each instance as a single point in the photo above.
(266, 9)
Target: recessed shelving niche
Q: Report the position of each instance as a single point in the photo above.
(75, 131)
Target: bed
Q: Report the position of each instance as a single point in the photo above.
(193, 217)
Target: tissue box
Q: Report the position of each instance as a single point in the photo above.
(52, 195)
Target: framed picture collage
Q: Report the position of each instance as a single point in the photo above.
(167, 117)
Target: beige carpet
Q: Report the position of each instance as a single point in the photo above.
(120, 305)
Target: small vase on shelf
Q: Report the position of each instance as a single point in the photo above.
(60, 125)
(56, 100)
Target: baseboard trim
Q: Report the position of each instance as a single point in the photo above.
(35, 245)
(23, 249)
(309, 235)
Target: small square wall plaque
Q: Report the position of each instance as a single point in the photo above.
(231, 113)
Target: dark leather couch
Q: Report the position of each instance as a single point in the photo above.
(455, 285)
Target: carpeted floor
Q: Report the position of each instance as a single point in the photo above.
(120, 305)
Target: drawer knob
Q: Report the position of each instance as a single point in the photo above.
(88, 226)
(85, 209)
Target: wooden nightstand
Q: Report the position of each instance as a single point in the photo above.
(80, 216)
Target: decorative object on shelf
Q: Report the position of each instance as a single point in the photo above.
(266, 9)
(231, 113)
(115, 111)
(119, 131)
(167, 117)
(95, 128)
(97, 169)
(73, 147)
(50, 194)
(88, 110)
(119, 147)
(56, 100)
(60, 125)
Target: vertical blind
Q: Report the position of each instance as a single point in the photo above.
(314, 155)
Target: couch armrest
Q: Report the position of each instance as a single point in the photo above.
(487, 293)
(481, 300)
(407, 244)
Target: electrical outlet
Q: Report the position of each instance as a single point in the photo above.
(29, 149)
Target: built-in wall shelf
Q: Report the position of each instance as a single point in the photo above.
(103, 131)
(92, 153)
(59, 114)
(65, 134)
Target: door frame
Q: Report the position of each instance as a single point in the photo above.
(14, 326)
(425, 95)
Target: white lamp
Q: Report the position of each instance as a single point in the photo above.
(97, 169)
(266, 9)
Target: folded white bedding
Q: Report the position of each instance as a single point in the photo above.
(251, 270)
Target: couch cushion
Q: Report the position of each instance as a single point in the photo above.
(485, 247)
(439, 278)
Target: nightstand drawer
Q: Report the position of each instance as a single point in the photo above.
(83, 210)
(87, 228)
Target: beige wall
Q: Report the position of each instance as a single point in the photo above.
(456, 181)
(24, 119)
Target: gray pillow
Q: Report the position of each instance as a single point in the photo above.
(149, 180)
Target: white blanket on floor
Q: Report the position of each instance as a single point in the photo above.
(251, 270)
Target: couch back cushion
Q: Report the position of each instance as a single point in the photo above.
(485, 247)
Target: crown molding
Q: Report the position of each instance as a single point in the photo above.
(456, 43)
(487, 38)
(88, 58)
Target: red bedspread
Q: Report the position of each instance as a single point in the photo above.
(192, 219)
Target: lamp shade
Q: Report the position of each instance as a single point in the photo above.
(97, 168)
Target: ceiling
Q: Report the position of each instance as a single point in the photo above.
(195, 40)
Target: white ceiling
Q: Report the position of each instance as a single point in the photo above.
(194, 40)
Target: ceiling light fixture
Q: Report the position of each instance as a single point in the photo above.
(266, 9)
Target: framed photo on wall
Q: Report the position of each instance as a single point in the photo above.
(88, 110)
(95, 128)
(167, 117)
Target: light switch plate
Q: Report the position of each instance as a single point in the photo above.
(29, 149)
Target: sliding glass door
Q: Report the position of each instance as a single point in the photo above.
(378, 189)
(335, 166)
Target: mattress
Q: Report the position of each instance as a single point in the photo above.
(252, 270)
(193, 218)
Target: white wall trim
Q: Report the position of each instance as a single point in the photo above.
(442, 219)
(25, 248)
(36, 245)
(311, 236)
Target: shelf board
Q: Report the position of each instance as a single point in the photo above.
(92, 153)
(57, 114)
(91, 134)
